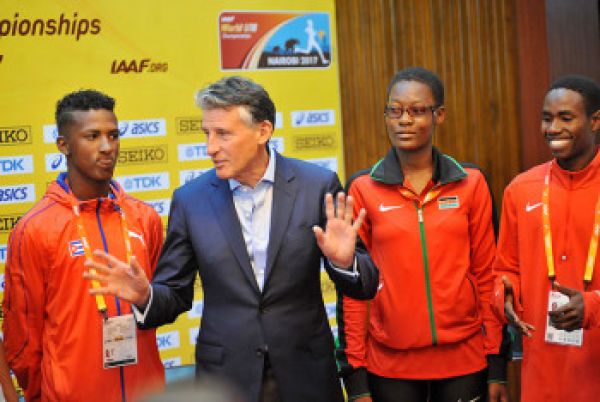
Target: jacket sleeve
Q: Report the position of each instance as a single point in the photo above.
(23, 308)
(176, 270)
(483, 250)
(352, 319)
(507, 257)
(591, 310)
(364, 286)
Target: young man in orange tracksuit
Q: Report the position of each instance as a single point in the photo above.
(547, 279)
(59, 339)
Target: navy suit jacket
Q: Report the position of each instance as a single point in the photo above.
(239, 322)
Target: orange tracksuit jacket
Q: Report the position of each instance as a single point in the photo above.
(552, 372)
(52, 327)
(431, 317)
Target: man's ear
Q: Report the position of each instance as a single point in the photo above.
(596, 120)
(266, 131)
(63, 145)
(439, 115)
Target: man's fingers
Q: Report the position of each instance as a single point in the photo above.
(135, 266)
(97, 266)
(340, 207)
(349, 209)
(359, 219)
(329, 209)
(319, 235)
(564, 290)
(110, 259)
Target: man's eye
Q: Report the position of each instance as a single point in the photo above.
(417, 110)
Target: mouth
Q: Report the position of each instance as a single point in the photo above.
(106, 163)
(558, 143)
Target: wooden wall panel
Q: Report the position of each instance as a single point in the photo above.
(471, 44)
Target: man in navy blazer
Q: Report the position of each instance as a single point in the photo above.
(255, 228)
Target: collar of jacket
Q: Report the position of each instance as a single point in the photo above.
(445, 169)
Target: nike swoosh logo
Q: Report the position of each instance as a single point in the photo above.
(530, 207)
(383, 208)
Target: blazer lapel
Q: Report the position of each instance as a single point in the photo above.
(222, 203)
(284, 194)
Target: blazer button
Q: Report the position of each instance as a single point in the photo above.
(259, 352)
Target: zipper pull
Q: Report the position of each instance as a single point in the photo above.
(420, 214)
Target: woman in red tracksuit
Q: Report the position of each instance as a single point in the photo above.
(428, 331)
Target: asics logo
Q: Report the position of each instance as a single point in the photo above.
(385, 208)
(530, 207)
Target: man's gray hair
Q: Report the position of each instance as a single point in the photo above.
(238, 91)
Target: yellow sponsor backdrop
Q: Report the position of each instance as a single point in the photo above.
(50, 48)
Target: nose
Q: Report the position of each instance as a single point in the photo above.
(212, 145)
(106, 143)
(405, 118)
(553, 126)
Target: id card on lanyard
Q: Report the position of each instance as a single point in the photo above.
(119, 341)
(557, 299)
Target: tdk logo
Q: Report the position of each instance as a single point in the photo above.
(16, 194)
(160, 206)
(145, 182)
(8, 222)
(196, 311)
(167, 340)
(173, 362)
(327, 163)
(192, 152)
(133, 156)
(311, 118)
(277, 144)
(2, 253)
(16, 164)
(56, 162)
(17, 135)
(189, 175)
(143, 128)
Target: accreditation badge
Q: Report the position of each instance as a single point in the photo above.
(119, 341)
(560, 336)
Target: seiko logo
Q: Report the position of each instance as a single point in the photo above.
(328, 163)
(56, 162)
(189, 125)
(317, 141)
(189, 175)
(8, 222)
(16, 164)
(168, 340)
(133, 156)
(16, 194)
(2, 253)
(196, 311)
(173, 362)
(192, 152)
(16, 135)
(160, 206)
(145, 182)
(304, 118)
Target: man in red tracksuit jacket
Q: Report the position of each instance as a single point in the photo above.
(53, 328)
(546, 251)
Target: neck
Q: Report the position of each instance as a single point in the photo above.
(580, 162)
(84, 190)
(418, 161)
(257, 171)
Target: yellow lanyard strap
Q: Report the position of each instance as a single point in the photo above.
(589, 266)
(100, 302)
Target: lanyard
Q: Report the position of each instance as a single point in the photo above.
(591, 258)
(100, 302)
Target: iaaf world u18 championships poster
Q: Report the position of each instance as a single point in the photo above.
(264, 40)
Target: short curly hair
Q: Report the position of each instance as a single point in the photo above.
(85, 99)
(585, 86)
